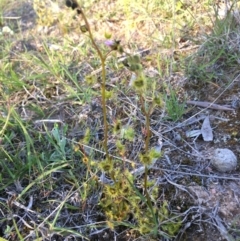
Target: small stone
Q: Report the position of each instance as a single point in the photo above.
(224, 160)
(7, 30)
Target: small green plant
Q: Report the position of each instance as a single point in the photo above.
(121, 199)
(57, 138)
(174, 109)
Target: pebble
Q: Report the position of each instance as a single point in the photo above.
(224, 160)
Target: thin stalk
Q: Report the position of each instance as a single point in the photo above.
(147, 140)
(147, 114)
(103, 88)
(103, 83)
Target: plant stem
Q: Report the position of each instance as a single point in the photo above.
(147, 125)
(147, 114)
(147, 140)
(103, 83)
(103, 88)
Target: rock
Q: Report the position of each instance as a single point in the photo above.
(224, 160)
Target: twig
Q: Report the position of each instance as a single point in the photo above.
(210, 105)
(196, 174)
(221, 228)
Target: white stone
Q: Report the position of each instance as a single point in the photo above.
(7, 30)
(224, 160)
